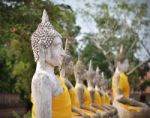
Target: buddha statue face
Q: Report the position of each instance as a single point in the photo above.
(101, 81)
(79, 70)
(124, 65)
(122, 62)
(91, 76)
(55, 53)
(97, 77)
(67, 66)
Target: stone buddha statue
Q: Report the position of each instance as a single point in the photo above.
(66, 70)
(46, 88)
(102, 98)
(127, 107)
(103, 87)
(96, 100)
(81, 90)
(67, 67)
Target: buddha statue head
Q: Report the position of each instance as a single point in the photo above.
(79, 70)
(97, 77)
(103, 81)
(67, 64)
(90, 74)
(46, 43)
(124, 65)
(121, 62)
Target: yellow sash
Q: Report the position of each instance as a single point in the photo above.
(125, 88)
(105, 99)
(97, 98)
(73, 97)
(86, 98)
(75, 102)
(61, 104)
(123, 85)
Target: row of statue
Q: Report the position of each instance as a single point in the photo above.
(54, 96)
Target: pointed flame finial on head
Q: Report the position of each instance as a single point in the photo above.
(97, 70)
(102, 75)
(45, 17)
(67, 46)
(90, 65)
(121, 50)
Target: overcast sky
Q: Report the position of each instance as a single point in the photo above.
(90, 26)
(87, 27)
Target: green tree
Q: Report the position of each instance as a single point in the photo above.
(18, 20)
(118, 24)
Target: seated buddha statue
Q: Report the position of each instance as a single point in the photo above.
(127, 107)
(95, 99)
(101, 96)
(81, 89)
(65, 72)
(47, 91)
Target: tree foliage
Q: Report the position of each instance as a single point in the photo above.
(18, 20)
(118, 24)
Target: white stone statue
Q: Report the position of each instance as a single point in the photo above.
(82, 92)
(126, 106)
(99, 87)
(48, 52)
(91, 89)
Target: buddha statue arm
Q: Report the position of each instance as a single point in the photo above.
(80, 98)
(102, 107)
(42, 96)
(92, 101)
(77, 110)
(68, 84)
(131, 102)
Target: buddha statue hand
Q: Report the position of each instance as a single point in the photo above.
(85, 115)
(118, 97)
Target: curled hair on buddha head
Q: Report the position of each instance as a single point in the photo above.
(43, 36)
